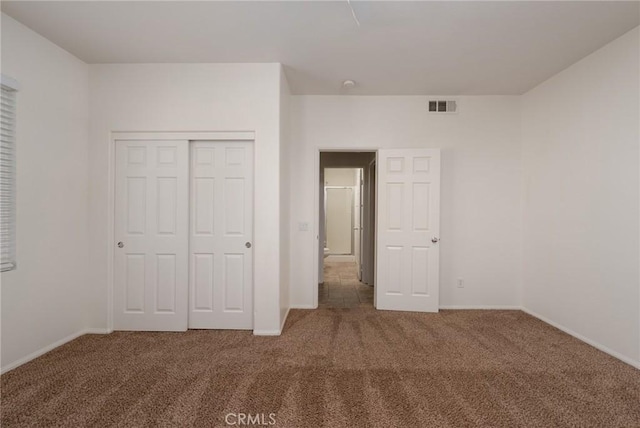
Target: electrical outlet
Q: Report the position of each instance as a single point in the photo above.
(460, 283)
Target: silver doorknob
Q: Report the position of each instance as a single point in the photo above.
(434, 239)
(247, 244)
(120, 244)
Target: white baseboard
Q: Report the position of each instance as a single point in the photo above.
(273, 332)
(41, 351)
(98, 331)
(303, 307)
(586, 340)
(482, 307)
(51, 347)
(267, 332)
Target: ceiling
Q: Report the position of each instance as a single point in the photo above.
(400, 48)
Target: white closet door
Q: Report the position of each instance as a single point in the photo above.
(151, 231)
(407, 277)
(221, 236)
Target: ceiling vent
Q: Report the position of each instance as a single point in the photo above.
(440, 106)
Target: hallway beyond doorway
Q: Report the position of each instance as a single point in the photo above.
(342, 289)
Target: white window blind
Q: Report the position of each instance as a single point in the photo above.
(7, 175)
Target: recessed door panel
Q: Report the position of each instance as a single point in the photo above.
(166, 283)
(394, 270)
(234, 210)
(420, 207)
(166, 205)
(136, 155)
(419, 271)
(202, 274)
(167, 156)
(204, 205)
(394, 205)
(233, 282)
(134, 285)
(136, 205)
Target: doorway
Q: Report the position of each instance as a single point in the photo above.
(399, 257)
(347, 229)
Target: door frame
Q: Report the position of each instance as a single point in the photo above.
(147, 136)
(316, 206)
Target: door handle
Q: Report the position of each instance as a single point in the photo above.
(434, 240)
(247, 244)
(120, 244)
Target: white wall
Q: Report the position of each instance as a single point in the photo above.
(481, 172)
(43, 300)
(340, 177)
(285, 198)
(581, 231)
(190, 97)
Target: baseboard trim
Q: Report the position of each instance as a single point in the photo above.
(586, 340)
(482, 307)
(267, 332)
(98, 331)
(303, 307)
(41, 351)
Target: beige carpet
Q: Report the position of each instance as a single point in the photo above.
(334, 368)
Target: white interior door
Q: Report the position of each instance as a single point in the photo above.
(151, 228)
(221, 236)
(407, 277)
(339, 220)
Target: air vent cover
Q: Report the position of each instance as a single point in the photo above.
(443, 106)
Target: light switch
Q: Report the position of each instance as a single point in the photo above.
(303, 226)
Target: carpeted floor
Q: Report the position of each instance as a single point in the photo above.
(335, 368)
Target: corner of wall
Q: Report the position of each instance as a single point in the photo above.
(285, 192)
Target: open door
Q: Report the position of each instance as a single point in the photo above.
(407, 276)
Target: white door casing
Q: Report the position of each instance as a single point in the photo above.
(407, 276)
(150, 226)
(221, 235)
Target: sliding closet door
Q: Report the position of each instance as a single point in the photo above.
(221, 235)
(151, 233)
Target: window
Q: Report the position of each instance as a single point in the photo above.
(7, 174)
